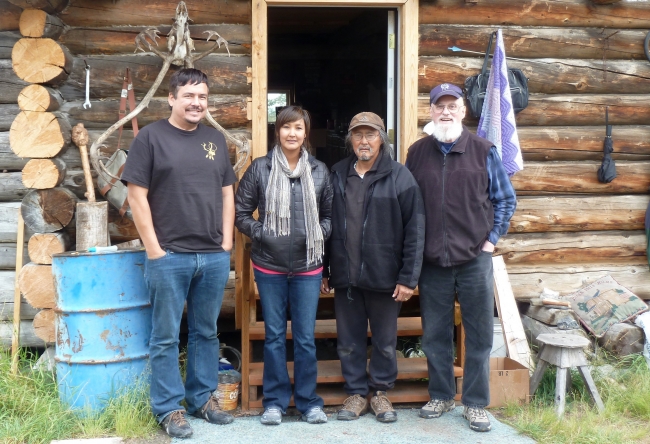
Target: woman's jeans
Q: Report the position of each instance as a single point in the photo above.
(301, 294)
(473, 283)
(200, 279)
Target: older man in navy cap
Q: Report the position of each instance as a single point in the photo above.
(469, 201)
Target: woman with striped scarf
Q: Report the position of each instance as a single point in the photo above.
(292, 193)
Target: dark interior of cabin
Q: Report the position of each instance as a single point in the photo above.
(331, 61)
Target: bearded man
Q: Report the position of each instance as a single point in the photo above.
(468, 201)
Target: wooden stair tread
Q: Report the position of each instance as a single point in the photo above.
(330, 371)
(404, 392)
(326, 328)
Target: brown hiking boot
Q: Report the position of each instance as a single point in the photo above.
(353, 407)
(176, 426)
(382, 408)
(212, 413)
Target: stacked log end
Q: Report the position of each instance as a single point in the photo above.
(41, 134)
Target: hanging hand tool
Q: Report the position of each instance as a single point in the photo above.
(87, 102)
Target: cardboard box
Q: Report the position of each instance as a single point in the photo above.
(509, 381)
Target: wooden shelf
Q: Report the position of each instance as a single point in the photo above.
(326, 328)
(330, 371)
(404, 392)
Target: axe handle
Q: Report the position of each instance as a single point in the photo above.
(90, 188)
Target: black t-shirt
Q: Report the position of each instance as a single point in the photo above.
(184, 172)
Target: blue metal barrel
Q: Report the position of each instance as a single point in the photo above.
(103, 325)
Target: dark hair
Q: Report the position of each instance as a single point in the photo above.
(293, 114)
(385, 143)
(184, 77)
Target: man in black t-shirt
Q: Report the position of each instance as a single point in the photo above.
(180, 191)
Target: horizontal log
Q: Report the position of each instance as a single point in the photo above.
(226, 74)
(580, 177)
(39, 135)
(9, 222)
(578, 213)
(39, 98)
(7, 40)
(51, 6)
(7, 282)
(623, 339)
(602, 247)
(10, 162)
(10, 16)
(228, 110)
(548, 315)
(8, 255)
(583, 142)
(8, 113)
(28, 337)
(90, 13)
(11, 187)
(534, 328)
(548, 76)
(570, 109)
(529, 281)
(37, 23)
(121, 39)
(564, 13)
(527, 42)
(10, 84)
(41, 61)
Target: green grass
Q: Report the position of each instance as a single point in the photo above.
(30, 410)
(626, 419)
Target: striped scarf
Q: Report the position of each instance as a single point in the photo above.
(278, 202)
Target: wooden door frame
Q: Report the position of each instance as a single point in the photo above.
(407, 105)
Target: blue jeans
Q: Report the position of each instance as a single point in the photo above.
(473, 283)
(301, 293)
(200, 279)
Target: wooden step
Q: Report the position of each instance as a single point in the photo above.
(404, 392)
(326, 328)
(330, 371)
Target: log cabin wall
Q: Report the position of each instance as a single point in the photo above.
(579, 57)
(102, 35)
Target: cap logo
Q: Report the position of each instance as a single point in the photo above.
(444, 87)
(363, 118)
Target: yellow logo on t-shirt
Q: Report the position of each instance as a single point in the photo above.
(211, 148)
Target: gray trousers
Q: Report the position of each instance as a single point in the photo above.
(353, 312)
(473, 283)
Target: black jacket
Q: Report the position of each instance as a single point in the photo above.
(393, 229)
(286, 254)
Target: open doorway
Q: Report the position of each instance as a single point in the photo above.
(335, 62)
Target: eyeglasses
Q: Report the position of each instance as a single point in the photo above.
(452, 107)
(369, 136)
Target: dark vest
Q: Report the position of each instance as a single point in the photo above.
(459, 214)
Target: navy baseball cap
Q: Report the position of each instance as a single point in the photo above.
(446, 89)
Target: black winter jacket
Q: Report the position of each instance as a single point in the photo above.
(393, 229)
(285, 254)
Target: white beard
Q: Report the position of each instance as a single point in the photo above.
(446, 133)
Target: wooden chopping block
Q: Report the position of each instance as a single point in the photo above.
(92, 216)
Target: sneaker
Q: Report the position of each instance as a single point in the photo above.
(271, 416)
(176, 426)
(353, 407)
(213, 414)
(314, 415)
(436, 407)
(382, 408)
(478, 419)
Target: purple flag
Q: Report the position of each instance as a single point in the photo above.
(497, 122)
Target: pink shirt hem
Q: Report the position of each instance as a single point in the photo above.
(305, 273)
